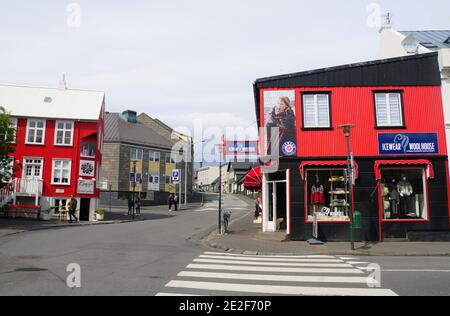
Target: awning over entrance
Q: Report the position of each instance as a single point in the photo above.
(253, 179)
(335, 163)
(420, 162)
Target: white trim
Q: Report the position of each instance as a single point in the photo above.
(36, 128)
(137, 150)
(64, 130)
(24, 176)
(388, 109)
(52, 182)
(316, 111)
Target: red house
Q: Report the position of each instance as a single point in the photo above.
(399, 183)
(58, 147)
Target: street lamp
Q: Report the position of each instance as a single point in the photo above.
(134, 188)
(220, 187)
(347, 128)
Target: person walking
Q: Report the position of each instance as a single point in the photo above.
(130, 205)
(138, 205)
(171, 201)
(72, 208)
(175, 201)
(257, 207)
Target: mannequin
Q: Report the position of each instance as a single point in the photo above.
(386, 200)
(394, 198)
(405, 190)
(317, 196)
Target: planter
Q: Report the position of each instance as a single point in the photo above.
(46, 217)
(99, 217)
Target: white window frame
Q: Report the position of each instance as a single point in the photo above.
(14, 121)
(136, 150)
(64, 130)
(36, 129)
(153, 177)
(156, 155)
(62, 160)
(388, 109)
(316, 110)
(41, 165)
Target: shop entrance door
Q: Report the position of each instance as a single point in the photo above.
(85, 205)
(276, 212)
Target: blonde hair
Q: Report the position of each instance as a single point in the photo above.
(286, 101)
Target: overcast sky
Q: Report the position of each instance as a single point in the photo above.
(179, 60)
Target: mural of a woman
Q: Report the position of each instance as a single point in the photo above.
(283, 117)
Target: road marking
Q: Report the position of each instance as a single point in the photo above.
(275, 289)
(274, 259)
(278, 264)
(274, 269)
(175, 294)
(357, 262)
(269, 256)
(348, 258)
(412, 270)
(278, 278)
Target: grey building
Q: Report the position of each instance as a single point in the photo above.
(134, 152)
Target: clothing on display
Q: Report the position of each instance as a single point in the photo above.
(317, 194)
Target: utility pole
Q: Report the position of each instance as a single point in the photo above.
(134, 189)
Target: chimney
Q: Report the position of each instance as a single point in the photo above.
(62, 84)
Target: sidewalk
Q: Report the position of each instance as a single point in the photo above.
(9, 226)
(246, 238)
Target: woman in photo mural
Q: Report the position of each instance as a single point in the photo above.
(283, 117)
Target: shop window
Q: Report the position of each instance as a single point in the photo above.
(88, 150)
(389, 112)
(327, 196)
(316, 111)
(60, 205)
(404, 194)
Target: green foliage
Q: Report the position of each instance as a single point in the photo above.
(7, 137)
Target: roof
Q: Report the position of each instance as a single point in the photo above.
(241, 166)
(119, 131)
(54, 103)
(413, 70)
(433, 40)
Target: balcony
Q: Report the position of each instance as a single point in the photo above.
(28, 187)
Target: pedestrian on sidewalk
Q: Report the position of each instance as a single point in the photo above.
(130, 205)
(138, 205)
(72, 208)
(175, 201)
(257, 207)
(171, 201)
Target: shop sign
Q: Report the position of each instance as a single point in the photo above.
(241, 148)
(86, 187)
(408, 144)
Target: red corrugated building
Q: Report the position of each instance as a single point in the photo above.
(398, 145)
(58, 147)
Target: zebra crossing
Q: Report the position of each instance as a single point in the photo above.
(226, 274)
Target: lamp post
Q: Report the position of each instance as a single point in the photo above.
(347, 128)
(220, 187)
(134, 189)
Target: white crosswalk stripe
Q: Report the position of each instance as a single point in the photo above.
(215, 273)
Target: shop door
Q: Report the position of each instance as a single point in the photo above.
(272, 207)
(85, 205)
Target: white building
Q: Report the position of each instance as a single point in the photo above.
(205, 178)
(400, 43)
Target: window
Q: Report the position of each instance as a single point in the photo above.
(14, 126)
(404, 194)
(169, 159)
(167, 179)
(61, 171)
(154, 156)
(64, 133)
(35, 132)
(136, 177)
(316, 111)
(88, 150)
(60, 205)
(327, 196)
(32, 168)
(136, 154)
(153, 179)
(388, 107)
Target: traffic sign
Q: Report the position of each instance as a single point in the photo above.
(176, 176)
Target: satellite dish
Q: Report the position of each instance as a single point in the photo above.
(411, 44)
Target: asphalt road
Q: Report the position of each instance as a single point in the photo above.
(162, 255)
(125, 259)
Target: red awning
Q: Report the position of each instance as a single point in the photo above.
(335, 163)
(429, 166)
(253, 179)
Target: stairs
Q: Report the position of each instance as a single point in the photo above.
(7, 195)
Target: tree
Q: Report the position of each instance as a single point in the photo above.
(7, 138)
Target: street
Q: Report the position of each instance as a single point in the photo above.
(162, 257)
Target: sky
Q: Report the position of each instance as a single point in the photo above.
(192, 62)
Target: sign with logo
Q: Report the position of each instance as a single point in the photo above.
(87, 168)
(176, 176)
(408, 143)
(289, 149)
(86, 187)
(241, 148)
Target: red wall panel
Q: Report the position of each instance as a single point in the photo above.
(423, 112)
